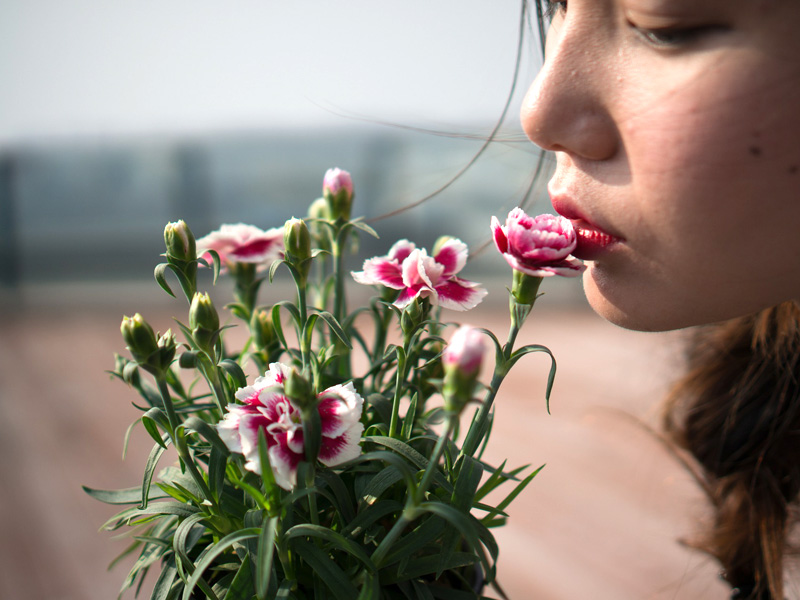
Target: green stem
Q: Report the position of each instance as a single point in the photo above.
(433, 464)
(402, 373)
(386, 543)
(473, 439)
(178, 442)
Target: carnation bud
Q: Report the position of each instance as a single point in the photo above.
(180, 241)
(297, 245)
(203, 321)
(298, 389)
(139, 337)
(202, 313)
(461, 359)
(262, 329)
(297, 240)
(319, 210)
(337, 189)
(154, 355)
(412, 317)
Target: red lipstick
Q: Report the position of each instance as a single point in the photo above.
(593, 241)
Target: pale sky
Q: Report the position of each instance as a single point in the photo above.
(108, 67)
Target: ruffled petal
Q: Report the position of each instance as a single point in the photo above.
(459, 294)
(337, 450)
(499, 235)
(380, 271)
(284, 463)
(339, 409)
(452, 256)
(400, 250)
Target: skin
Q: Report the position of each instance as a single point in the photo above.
(676, 126)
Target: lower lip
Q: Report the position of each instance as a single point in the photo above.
(592, 243)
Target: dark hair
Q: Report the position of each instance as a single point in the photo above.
(737, 411)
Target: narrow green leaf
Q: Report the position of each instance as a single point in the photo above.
(370, 589)
(266, 550)
(371, 515)
(337, 540)
(207, 431)
(328, 571)
(379, 483)
(165, 581)
(161, 278)
(151, 420)
(550, 377)
(150, 467)
(408, 421)
(233, 369)
(210, 554)
(336, 328)
(125, 496)
(242, 585)
(515, 492)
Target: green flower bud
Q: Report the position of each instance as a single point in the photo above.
(204, 322)
(297, 247)
(296, 240)
(262, 329)
(139, 337)
(298, 389)
(202, 314)
(412, 317)
(180, 241)
(319, 210)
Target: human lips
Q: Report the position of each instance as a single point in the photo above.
(593, 240)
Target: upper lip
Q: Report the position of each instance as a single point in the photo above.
(566, 206)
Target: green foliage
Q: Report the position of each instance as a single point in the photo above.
(408, 518)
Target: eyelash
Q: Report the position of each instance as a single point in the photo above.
(662, 38)
(553, 7)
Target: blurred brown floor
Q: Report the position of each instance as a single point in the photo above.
(601, 522)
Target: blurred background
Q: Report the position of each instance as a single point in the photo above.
(117, 117)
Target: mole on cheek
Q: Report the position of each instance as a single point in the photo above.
(755, 150)
(793, 169)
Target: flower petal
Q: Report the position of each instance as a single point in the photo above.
(339, 407)
(452, 256)
(284, 463)
(337, 450)
(459, 294)
(400, 250)
(499, 235)
(380, 271)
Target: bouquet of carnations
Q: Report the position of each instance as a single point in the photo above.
(325, 458)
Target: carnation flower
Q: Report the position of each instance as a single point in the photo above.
(241, 243)
(538, 246)
(266, 407)
(410, 270)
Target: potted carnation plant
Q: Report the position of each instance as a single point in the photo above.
(327, 457)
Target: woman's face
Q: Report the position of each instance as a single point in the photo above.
(676, 126)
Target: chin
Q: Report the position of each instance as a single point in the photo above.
(630, 308)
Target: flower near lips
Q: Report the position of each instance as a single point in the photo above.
(241, 243)
(266, 407)
(538, 246)
(410, 270)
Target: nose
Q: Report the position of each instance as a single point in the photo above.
(565, 109)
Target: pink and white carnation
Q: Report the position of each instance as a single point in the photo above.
(241, 243)
(266, 407)
(538, 246)
(410, 270)
(465, 351)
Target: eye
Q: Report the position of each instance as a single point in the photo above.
(553, 8)
(674, 37)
